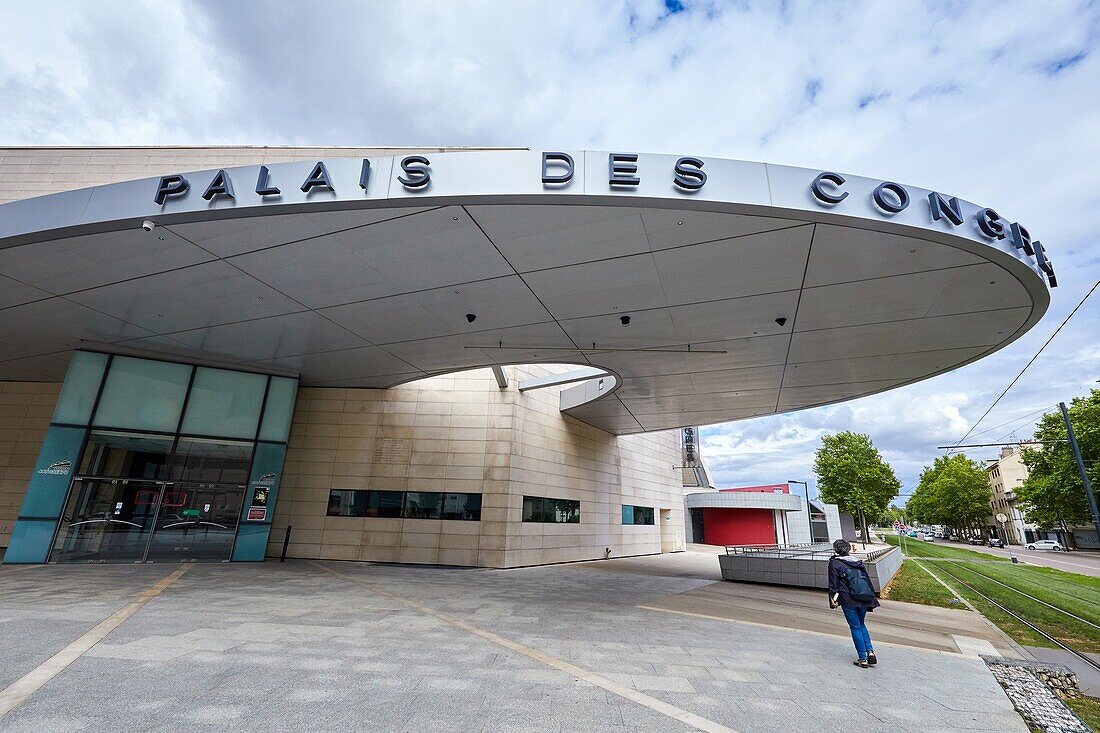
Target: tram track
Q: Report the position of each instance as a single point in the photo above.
(1000, 564)
(1037, 600)
(945, 567)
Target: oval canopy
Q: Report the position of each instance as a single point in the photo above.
(743, 297)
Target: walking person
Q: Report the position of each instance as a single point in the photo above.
(850, 588)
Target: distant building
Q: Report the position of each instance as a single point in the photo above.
(1005, 475)
(762, 515)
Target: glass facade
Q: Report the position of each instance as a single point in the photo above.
(77, 397)
(151, 460)
(140, 394)
(224, 403)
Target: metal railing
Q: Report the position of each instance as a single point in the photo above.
(876, 554)
(803, 551)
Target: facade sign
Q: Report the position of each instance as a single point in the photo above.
(891, 198)
(261, 487)
(522, 176)
(691, 448)
(263, 495)
(685, 176)
(57, 468)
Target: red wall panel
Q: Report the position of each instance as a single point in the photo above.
(738, 526)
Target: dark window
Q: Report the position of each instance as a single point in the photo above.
(411, 504)
(385, 503)
(557, 511)
(637, 514)
(532, 509)
(462, 506)
(211, 461)
(347, 503)
(423, 505)
(126, 455)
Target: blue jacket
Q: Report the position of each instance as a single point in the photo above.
(837, 587)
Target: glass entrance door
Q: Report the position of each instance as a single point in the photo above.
(107, 520)
(197, 522)
(144, 497)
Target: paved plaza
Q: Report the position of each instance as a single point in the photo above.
(349, 646)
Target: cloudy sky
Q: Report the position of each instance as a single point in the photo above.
(995, 103)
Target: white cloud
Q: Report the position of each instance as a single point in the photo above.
(993, 102)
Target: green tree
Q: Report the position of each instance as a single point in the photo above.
(953, 491)
(1053, 496)
(893, 513)
(919, 506)
(852, 475)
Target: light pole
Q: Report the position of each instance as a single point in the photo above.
(1080, 468)
(1016, 516)
(1002, 518)
(809, 518)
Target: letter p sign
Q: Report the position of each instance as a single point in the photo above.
(170, 186)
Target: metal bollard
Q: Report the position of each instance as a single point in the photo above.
(286, 541)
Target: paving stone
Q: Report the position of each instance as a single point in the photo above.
(280, 647)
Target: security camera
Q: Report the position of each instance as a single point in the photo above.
(148, 225)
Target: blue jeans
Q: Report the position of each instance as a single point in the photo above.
(855, 618)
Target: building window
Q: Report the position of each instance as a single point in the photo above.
(407, 504)
(346, 503)
(462, 506)
(386, 504)
(555, 511)
(423, 505)
(637, 514)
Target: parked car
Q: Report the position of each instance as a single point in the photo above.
(1045, 545)
(929, 538)
(994, 542)
(974, 541)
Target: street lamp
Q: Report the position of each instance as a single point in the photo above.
(1002, 518)
(809, 518)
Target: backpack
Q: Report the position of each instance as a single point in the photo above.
(859, 586)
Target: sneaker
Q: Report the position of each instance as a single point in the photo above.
(860, 663)
(872, 659)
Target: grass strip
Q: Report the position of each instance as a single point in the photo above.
(1078, 594)
(913, 584)
(1062, 627)
(1088, 708)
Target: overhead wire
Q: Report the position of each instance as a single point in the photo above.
(1013, 420)
(1028, 420)
(1029, 363)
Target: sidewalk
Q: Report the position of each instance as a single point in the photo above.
(576, 648)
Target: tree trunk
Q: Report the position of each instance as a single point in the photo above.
(863, 525)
